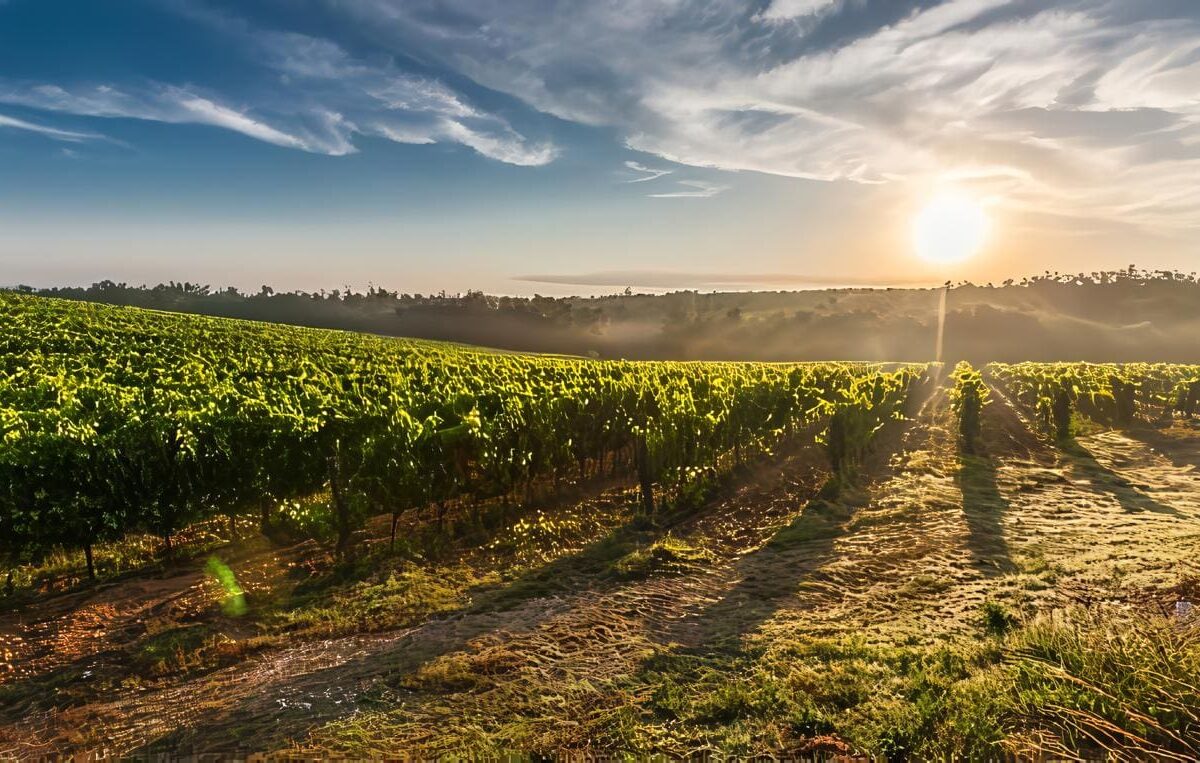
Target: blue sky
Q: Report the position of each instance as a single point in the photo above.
(472, 143)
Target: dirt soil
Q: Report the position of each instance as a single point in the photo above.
(552, 654)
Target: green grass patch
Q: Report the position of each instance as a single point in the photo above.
(407, 594)
(667, 554)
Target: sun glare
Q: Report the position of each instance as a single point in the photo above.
(950, 228)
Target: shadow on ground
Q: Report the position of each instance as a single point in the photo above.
(983, 508)
(1105, 480)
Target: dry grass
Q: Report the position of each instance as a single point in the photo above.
(1016, 602)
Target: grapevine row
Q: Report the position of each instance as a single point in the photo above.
(1112, 394)
(117, 419)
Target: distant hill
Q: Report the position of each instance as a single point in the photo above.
(1112, 316)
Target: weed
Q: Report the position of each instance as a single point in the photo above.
(668, 554)
(998, 618)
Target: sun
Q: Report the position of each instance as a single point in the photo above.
(950, 228)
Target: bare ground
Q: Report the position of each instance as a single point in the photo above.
(564, 655)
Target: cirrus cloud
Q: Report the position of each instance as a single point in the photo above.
(1026, 101)
(70, 136)
(313, 96)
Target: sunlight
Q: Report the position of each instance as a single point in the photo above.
(950, 228)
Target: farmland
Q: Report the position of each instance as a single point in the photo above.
(223, 536)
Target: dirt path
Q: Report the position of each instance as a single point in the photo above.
(597, 626)
(78, 636)
(561, 684)
(280, 695)
(560, 666)
(596, 622)
(1107, 508)
(909, 557)
(1029, 525)
(83, 628)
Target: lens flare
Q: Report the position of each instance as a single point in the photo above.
(234, 601)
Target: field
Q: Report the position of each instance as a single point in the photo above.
(229, 537)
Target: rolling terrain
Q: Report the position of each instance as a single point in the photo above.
(1121, 316)
(770, 619)
(850, 569)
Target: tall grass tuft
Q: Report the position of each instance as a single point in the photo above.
(1106, 684)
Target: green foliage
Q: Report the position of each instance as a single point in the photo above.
(857, 410)
(114, 420)
(1187, 396)
(967, 399)
(1124, 393)
(1110, 393)
(998, 619)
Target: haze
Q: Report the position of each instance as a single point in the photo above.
(521, 147)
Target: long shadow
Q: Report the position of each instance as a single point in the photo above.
(1106, 480)
(770, 576)
(255, 722)
(1181, 453)
(566, 573)
(250, 726)
(984, 508)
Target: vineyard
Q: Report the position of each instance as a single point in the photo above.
(117, 420)
(370, 546)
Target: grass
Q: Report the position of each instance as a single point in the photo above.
(803, 697)
(783, 697)
(408, 593)
(189, 649)
(1106, 682)
(998, 618)
(667, 554)
(62, 570)
(1097, 683)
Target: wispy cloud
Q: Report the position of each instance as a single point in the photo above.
(307, 93)
(648, 173)
(317, 80)
(505, 145)
(794, 9)
(1024, 98)
(393, 104)
(699, 189)
(50, 132)
(168, 104)
(203, 111)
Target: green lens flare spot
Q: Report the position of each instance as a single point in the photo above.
(234, 602)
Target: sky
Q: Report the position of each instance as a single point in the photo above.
(577, 147)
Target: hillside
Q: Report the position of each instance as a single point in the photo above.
(1101, 317)
(772, 619)
(225, 538)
